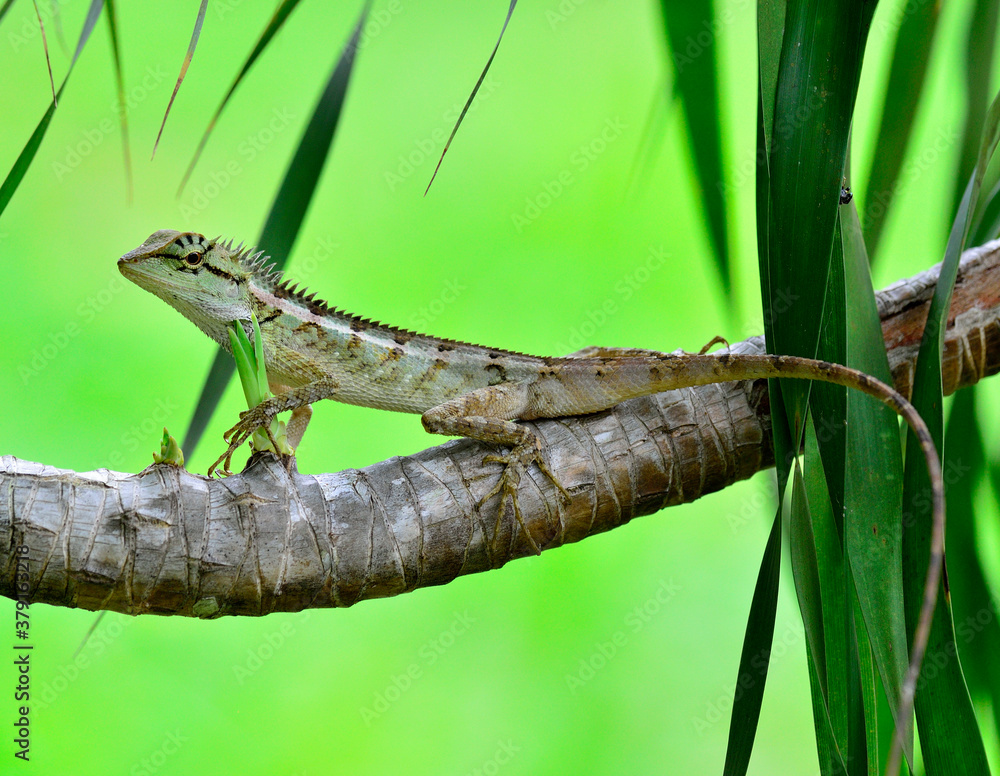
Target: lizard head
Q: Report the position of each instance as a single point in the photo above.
(205, 280)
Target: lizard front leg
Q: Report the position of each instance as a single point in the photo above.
(297, 424)
(487, 415)
(262, 415)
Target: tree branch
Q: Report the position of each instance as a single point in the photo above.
(170, 542)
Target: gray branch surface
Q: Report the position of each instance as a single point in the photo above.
(166, 541)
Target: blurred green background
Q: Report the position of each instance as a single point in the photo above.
(616, 655)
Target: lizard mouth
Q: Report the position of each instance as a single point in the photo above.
(127, 265)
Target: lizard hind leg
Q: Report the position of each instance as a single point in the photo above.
(486, 415)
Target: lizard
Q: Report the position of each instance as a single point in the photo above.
(314, 351)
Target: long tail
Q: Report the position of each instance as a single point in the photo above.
(706, 369)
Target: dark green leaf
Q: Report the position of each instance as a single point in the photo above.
(817, 565)
(946, 721)
(20, 168)
(803, 551)
(5, 7)
(653, 131)
(280, 15)
(195, 35)
(691, 43)
(288, 211)
(868, 466)
(112, 16)
(987, 226)
(806, 104)
(974, 611)
(755, 658)
(472, 96)
(830, 760)
(770, 34)
(902, 95)
(866, 760)
(979, 48)
(821, 54)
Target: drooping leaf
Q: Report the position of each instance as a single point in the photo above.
(288, 211)
(112, 16)
(24, 159)
(4, 8)
(821, 54)
(755, 658)
(978, 61)
(866, 469)
(976, 624)
(192, 45)
(902, 96)
(946, 721)
(281, 14)
(692, 53)
(810, 63)
(472, 96)
(653, 131)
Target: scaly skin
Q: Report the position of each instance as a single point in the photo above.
(315, 352)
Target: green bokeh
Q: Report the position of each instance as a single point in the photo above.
(474, 675)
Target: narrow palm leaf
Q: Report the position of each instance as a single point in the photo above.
(865, 470)
(979, 50)
(472, 96)
(691, 44)
(902, 95)
(192, 45)
(4, 8)
(112, 16)
(281, 14)
(946, 721)
(23, 162)
(755, 657)
(978, 631)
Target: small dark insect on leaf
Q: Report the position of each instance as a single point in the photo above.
(846, 195)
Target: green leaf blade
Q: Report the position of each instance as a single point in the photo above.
(946, 720)
(696, 81)
(27, 155)
(281, 14)
(755, 657)
(907, 74)
(192, 45)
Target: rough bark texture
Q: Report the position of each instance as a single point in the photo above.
(170, 542)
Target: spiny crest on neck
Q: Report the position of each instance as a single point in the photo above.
(271, 280)
(264, 275)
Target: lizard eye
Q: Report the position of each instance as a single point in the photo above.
(194, 259)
